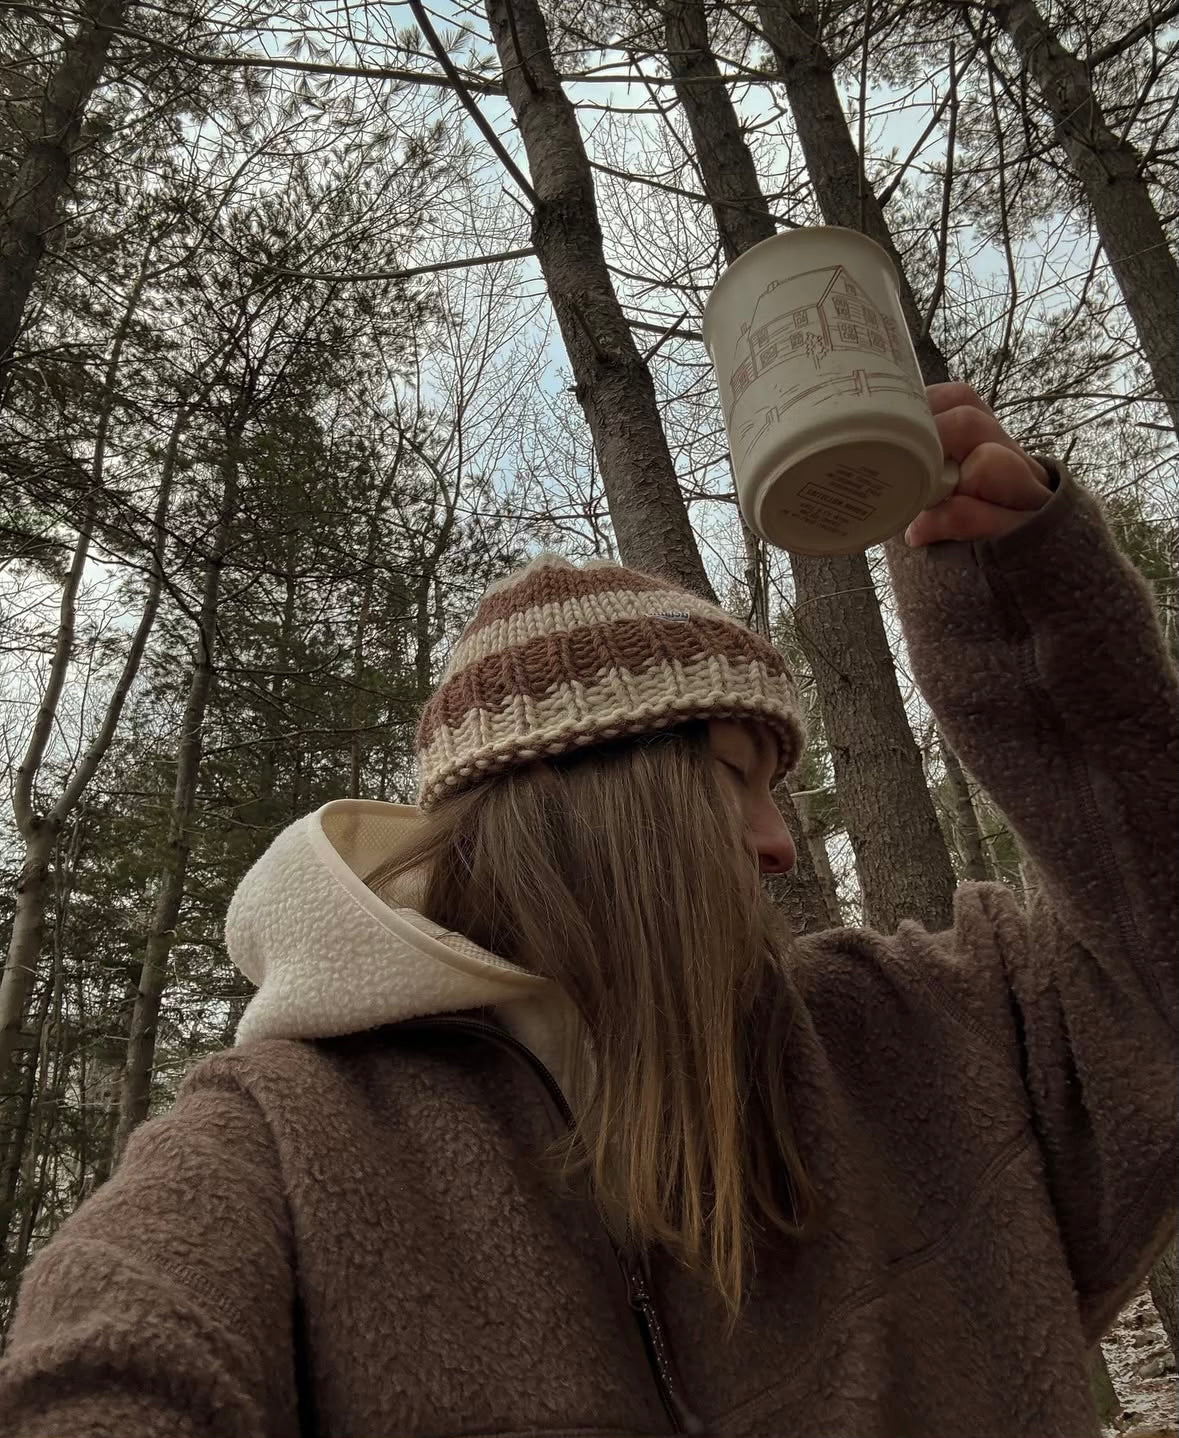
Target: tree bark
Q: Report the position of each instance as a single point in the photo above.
(18, 1114)
(967, 832)
(1111, 172)
(807, 896)
(24, 949)
(135, 1098)
(816, 847)
(360, 699)
(40, 1124)
(613, 382)
(833, 163)
(901, 857)
(47, 167)
(904, 867)
(1164, 1289)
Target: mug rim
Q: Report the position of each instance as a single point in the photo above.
(790, 235)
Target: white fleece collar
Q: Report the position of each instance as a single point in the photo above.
(329, 957)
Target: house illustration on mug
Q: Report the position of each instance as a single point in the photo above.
(801, 327)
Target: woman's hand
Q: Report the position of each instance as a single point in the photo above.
(999, 487)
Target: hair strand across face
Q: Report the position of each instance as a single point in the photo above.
(622, 874)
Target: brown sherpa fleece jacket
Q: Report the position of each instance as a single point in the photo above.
(346, 1237)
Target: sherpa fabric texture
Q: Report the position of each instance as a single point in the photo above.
(558, 657)
(346, 1237)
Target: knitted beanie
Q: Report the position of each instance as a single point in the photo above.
(559, 657)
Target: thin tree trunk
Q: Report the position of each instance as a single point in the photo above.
(1164, 1289)
(18, 1112)
(361, 699)
(816, 847)
(47, 167)
(1112, 173)
(10, 1268)
(264, 808)
(966, 827)
(807, 899)
(108, 1127)
(756, 581)
(40, 830)
(28, 929)
(136, 1090)
(833, 163)
(41, 1117)
(613, 381)
(37, 1108)
(901, 857)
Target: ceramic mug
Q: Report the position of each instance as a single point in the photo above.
(832, 442)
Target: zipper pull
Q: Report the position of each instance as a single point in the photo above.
(643, 1304)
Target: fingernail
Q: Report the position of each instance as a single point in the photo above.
(909, 536)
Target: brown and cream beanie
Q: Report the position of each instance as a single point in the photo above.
(559, 657)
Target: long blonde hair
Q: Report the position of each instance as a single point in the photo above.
(622, 874)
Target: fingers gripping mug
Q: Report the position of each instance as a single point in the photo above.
(832, 442)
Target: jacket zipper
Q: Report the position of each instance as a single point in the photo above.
(636, 1276)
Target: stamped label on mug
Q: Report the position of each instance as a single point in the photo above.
(842, 499)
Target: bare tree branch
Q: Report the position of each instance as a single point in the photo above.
(481, 121)
(355, 277)
(1155, 20)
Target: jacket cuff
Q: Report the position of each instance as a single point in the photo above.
(1061, 562)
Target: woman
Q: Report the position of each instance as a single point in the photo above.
(540, 1123)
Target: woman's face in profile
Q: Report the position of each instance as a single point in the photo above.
(747, 755)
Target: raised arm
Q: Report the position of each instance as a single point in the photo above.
(1040, 652)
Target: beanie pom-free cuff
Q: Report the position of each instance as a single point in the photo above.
(559, 657)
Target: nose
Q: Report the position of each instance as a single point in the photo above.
(776, 853)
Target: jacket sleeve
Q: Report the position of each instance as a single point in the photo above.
(164, 1305)
(1042, 657)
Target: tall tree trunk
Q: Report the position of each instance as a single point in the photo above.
(807, 896)
(1164, 1289)
(47, 167)
(1112, 173)
(264, 812)
(107, 1128)
(43, 1113)
(966, 826)
(24, 950)
(18, 1116)
(136, 1091)
(901, 857)
(613, 382)
(816, 846)
(39, 830)
(833, 163)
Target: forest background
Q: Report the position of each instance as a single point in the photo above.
(316, 317)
